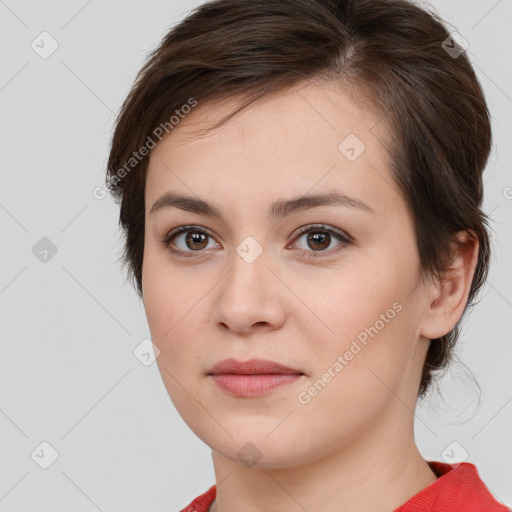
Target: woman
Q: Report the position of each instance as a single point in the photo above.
(300, 185)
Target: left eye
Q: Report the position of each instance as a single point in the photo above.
(318, 238)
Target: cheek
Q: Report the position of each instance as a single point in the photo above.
(343, 304)
(164, 297)
(171, 306)
(363, 321)
(175, 311)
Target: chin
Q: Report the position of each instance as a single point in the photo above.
(260, 451)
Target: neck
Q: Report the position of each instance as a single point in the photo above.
(367, 473)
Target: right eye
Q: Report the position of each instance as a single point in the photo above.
(195, 239)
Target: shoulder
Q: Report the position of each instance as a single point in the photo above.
(458, 487)
(202, 502)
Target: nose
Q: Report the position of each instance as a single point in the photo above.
(249, 298)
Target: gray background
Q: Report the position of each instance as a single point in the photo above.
(70, 324)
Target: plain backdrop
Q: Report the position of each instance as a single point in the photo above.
(84, 424)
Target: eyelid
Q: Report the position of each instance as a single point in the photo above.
(184, 228)
(311, 227)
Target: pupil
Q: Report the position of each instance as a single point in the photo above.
(315, 237)
(193, 237)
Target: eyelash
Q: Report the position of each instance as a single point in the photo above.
(342, 237)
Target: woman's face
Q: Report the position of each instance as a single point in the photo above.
(344, 312)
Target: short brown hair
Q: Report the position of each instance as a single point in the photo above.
(392, 51)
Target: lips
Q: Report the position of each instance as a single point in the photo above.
(253, 378)
(252, 367)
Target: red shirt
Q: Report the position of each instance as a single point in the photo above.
(457, 489)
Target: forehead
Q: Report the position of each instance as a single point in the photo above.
(312, 106)
(312, 136)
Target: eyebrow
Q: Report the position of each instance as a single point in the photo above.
(278, 209)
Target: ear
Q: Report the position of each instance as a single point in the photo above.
(447, 298)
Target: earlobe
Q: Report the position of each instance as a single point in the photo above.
(449, 295)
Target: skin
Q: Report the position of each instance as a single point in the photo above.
(353, 443)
